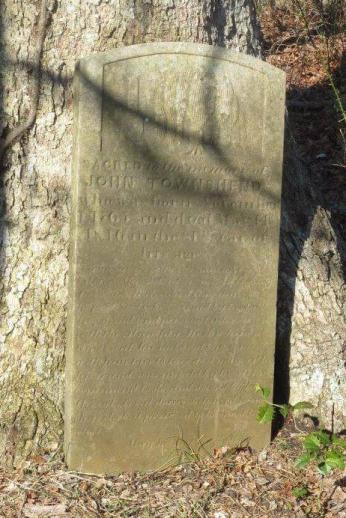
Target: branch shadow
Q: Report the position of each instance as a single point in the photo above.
(299, 202)
(128, 120)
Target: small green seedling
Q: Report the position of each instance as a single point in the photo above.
(267, 410)
(300, 492)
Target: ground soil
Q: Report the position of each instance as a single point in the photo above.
(228, 484)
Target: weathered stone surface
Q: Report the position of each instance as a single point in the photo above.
(174, 251)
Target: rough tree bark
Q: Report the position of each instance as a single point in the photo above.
(35, 217)
(311, 323)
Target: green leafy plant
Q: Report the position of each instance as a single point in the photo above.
(325, 450)
(267, 410)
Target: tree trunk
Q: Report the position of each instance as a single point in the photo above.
(36, 180)
(36, 196)
(311, 323)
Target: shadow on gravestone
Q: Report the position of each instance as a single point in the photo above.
(211, 306)
(284, 301)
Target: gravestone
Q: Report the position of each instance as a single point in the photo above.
(174, 253)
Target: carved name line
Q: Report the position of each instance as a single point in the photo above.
(144, 417)
(168, 334)
(221, 335)
(121, 413)
(189, 334)
(157, 183)
(105, 234)
(94, 199)
(142, 405)
(148, 219)
(90, 234)
(105, 269)
(156, 374)
(223, 372)
(133, 319)
(150, 445)
(112, 165)
(137, 390)
(126, 394)
(213, 202)
(169, 219)
(145, 346)
(139, 404)
(135, 443)
(130, 363)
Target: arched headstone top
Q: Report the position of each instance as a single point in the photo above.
(174, 251)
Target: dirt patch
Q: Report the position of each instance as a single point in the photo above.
(229, 484)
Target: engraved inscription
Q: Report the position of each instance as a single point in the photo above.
(174, 252)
